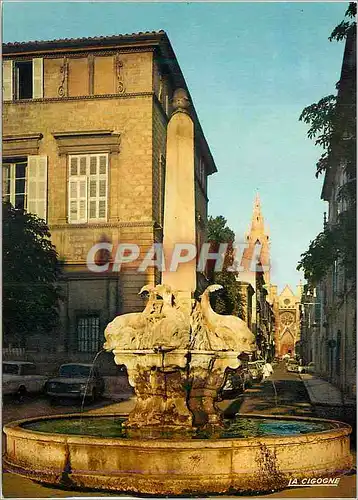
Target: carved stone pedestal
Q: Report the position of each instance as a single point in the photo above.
(179, 368)
(160, 383)
(206, 377)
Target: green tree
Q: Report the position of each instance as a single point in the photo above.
(229, 301)
(332, 123)
(30, 274)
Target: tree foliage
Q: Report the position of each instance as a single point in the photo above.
(30, 273)
(333, 126)
(321, 117)
(229, 301)
(341, 31)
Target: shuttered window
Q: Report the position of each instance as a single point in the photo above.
(23, 79)
(25, 184)
(88, 183)
(37, 186)
(7, 80)
(37, 78)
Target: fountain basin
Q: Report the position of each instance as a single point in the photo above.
(185, 465)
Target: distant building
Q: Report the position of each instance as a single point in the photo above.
(255, 275)
(286, 308)
(84, 145)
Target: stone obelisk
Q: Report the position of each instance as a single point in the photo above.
(179, 202)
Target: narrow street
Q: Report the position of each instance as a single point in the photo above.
(283, 393)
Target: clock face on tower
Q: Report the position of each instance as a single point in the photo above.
(287, 318)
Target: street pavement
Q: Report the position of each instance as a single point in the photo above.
(282, 394)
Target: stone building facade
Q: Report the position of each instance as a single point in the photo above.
(84, 145)
(330, 340)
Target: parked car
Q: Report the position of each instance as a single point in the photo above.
(260, 364)
(76, 380)
(293, 366)
(234, 385)
(246, 374)
(275, 361)
(310, 368)
(255, 371)
(21, 378)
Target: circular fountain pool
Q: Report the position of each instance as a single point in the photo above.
(250, 453)
(240, 427)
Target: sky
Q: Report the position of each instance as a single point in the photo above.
(251, 68)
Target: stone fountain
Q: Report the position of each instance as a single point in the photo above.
(177, 351)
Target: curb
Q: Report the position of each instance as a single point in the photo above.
(316, 402)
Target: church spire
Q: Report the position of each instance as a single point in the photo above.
(257, 235)
(257, 221)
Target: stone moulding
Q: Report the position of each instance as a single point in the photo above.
(87, 141)
(128, 95)
(78, 53)
(163, 467)
(21, 145)
(118, 223)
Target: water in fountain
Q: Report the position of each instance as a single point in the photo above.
(239, 427)
(275, 391)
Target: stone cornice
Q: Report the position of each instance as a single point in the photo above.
(79, 98)
(21, 145)
(77, 52)
(87, 141)
(75, 227)
(134, 42)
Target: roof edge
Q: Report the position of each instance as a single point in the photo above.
(63, 43)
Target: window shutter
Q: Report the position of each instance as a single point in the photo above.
(98, 187)
(77, 200)
(37, 78)
(37, 186)
(7, 80)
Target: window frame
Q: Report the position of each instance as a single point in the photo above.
(16, 79)
(11, 85)
(86, 179)
(88, 342)
(12, 164)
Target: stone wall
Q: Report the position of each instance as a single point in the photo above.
(137, 114)
(130, 181)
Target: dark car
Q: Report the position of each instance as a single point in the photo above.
(237, 381)
(76, 380)
(255, 371)
(234, 385)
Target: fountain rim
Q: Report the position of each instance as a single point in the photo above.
(16, 428)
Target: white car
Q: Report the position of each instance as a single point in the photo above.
(20, 378)
(310, 368)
